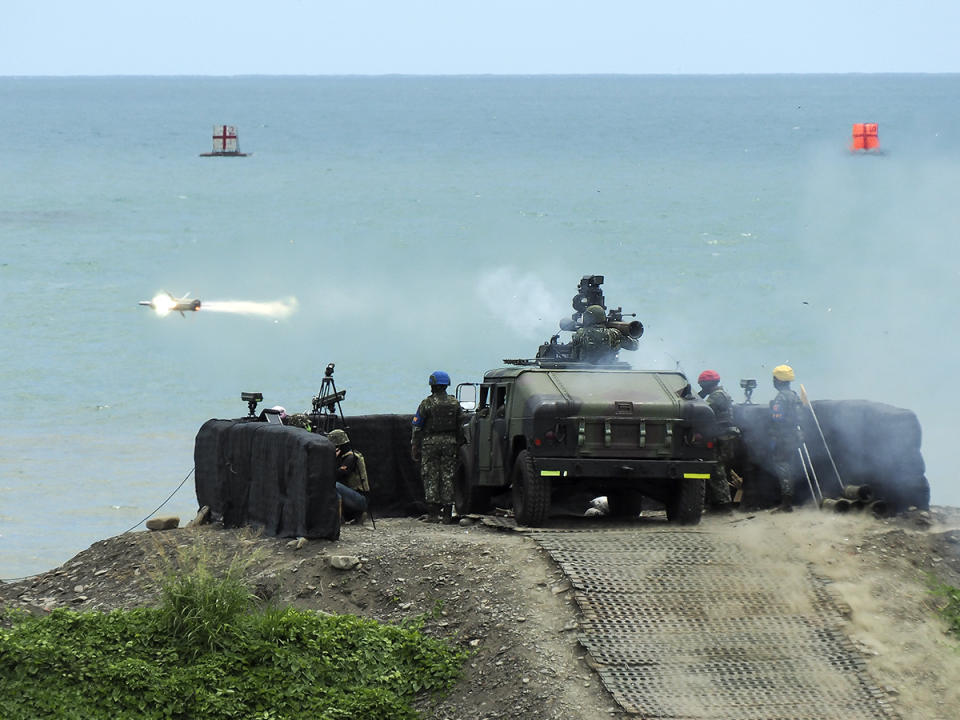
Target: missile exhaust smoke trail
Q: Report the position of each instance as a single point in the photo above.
(165, 303)
(278, 309)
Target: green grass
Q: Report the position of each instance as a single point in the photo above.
(949, 604)
(209, 652)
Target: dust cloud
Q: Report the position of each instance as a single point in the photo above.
(522, 301)
(883, 292)
(890, 618)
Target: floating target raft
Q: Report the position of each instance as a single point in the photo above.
(225, 143)
(865, 137)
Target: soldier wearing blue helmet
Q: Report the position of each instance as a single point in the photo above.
(434, 445)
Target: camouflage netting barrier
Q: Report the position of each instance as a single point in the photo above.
(871, 443)
(278, 478)
(384, 440)
(282, 478)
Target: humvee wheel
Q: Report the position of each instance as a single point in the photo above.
(531, 492)
(468, 498)
(685, 505)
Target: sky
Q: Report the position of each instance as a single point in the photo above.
(455, 37)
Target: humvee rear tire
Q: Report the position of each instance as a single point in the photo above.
(685, 505)
(468, 497)
(531, 492)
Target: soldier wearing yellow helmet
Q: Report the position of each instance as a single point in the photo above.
(785, 433)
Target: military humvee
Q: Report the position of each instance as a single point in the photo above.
(557, 425)
(564, 427)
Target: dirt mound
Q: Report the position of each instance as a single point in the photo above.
(498, 594)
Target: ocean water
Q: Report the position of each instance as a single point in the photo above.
(424, 223)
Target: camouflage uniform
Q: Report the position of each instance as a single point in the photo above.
(300, 420)
(718, 488)
(435, 428)
(785, 439)
(352, 484)
(596, 344)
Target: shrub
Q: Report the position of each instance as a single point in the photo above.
(949, 606)
(208, 651)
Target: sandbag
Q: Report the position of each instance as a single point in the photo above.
(871, 444)
(278, 478)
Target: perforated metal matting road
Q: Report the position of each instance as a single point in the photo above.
(680, 625)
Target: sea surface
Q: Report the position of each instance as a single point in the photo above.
(425, 223)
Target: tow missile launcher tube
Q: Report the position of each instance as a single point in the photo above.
(838, 506)
(858, 492)
(633, 328)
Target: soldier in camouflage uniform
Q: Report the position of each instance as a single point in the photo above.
(352, 483)
(785, 434)
(434, 444)
(300, 420)
(719, 400)
(595, 342)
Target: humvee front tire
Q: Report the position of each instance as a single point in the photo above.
(468, 498)
(531, 492)
(685, 505)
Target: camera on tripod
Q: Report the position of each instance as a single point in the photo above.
(326, 403)
(748, 386)
(252, 398)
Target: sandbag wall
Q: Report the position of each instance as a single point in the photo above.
(871, 444)
(278, 478)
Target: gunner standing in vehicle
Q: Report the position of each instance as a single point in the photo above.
(719, 400)
(434, 445)
(785, 434)
(595, 342)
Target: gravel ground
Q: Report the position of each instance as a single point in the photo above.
(497, 594)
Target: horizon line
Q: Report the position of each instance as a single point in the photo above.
(472, 75)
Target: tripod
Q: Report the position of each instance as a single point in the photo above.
(326, 404)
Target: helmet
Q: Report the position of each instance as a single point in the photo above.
(439, 377)
(708, 376)
(594, 315)
(338, 437)
(783, 373)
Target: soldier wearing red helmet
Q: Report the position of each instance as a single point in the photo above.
(719, 400)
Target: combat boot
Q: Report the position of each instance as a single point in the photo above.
(433, 513)
(446, 514)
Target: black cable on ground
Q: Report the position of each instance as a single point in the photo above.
(27, 577)
(151, 514)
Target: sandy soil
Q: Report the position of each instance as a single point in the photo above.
(496, 593)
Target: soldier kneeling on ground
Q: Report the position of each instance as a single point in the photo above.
(352, 483)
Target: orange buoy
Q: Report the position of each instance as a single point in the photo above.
(865, 136)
